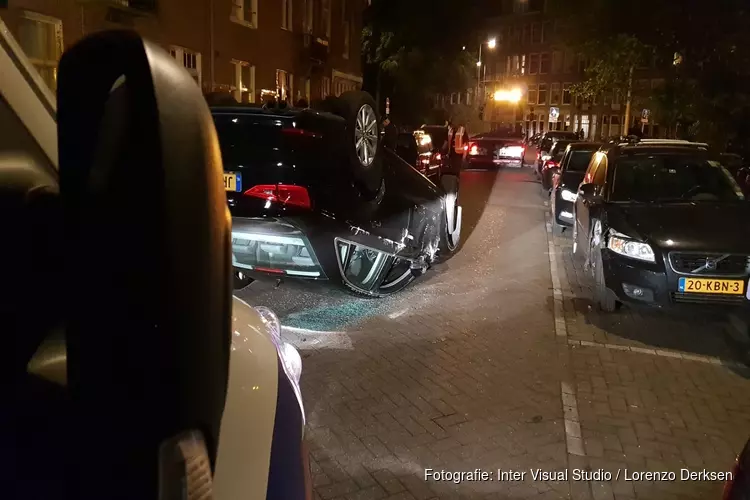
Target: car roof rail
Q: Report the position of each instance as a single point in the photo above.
(635, 141)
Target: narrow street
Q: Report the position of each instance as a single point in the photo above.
(499, 360)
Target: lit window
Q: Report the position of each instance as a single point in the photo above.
(244, 81)
(542, 95)
(282, 84)
(347, 31)
(307, 21)
(325, 14)
(286, 15)
(190, 60)
(531, 93)
(533, 64)
(554, 95)
(40, 38)
(566, 93)
(544, 63)
(245, 12)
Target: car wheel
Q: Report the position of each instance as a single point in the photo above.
(450, 222)
(362, 137)
(604, 297)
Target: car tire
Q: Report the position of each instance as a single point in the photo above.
(363, 127)
(450, 219)
(604, 297)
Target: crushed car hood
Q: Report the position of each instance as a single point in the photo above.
(720, 227)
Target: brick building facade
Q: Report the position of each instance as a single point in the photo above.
(251, 48)
(532, 55)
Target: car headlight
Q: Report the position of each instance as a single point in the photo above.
(631, 248)
(568, 195)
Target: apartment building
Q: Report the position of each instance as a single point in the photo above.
(254, 49)
(529, 54)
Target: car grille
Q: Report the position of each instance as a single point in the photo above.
(707, 298)
(700, 264)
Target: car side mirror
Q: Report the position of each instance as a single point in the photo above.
(147, 243)
(590, 192)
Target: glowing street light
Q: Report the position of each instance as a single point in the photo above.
(512, 96)
(492, 43)
(479, 63)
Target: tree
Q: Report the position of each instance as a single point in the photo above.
(611, 67)
(409, 61)
(701, 49)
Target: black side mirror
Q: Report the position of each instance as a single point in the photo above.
(147, 240)
(591, 193)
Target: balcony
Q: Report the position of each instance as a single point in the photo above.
(314, 49)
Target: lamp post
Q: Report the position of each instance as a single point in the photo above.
(491, 44)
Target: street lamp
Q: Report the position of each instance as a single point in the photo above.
(491, 44)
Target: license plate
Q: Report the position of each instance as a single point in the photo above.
(232, 182)
(710, 285)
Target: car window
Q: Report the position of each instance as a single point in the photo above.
(673, 178)
(578, 161)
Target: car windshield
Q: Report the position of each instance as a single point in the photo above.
(673, 178)
(579, 161)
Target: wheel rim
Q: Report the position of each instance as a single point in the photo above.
(453, 218)
(366, 135)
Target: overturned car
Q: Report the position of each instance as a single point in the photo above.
(317, 194)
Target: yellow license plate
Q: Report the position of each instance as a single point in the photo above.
(230, 182)
(710, 285)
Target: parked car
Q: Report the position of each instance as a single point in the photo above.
(738, 486)
(544, 143)
(551, 162)
(567, 178)
(492, 151)
(314, 195)
(440, 146)
(663, 223)
(416, 149)
(190, 390)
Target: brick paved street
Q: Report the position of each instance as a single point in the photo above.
(468, 369)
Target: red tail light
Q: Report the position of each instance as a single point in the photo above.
(551, 164)
(538, 155)
(473, 149)
(299, 132)
(438, 156)
(281, 193)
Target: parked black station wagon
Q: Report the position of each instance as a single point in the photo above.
(663, 223)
